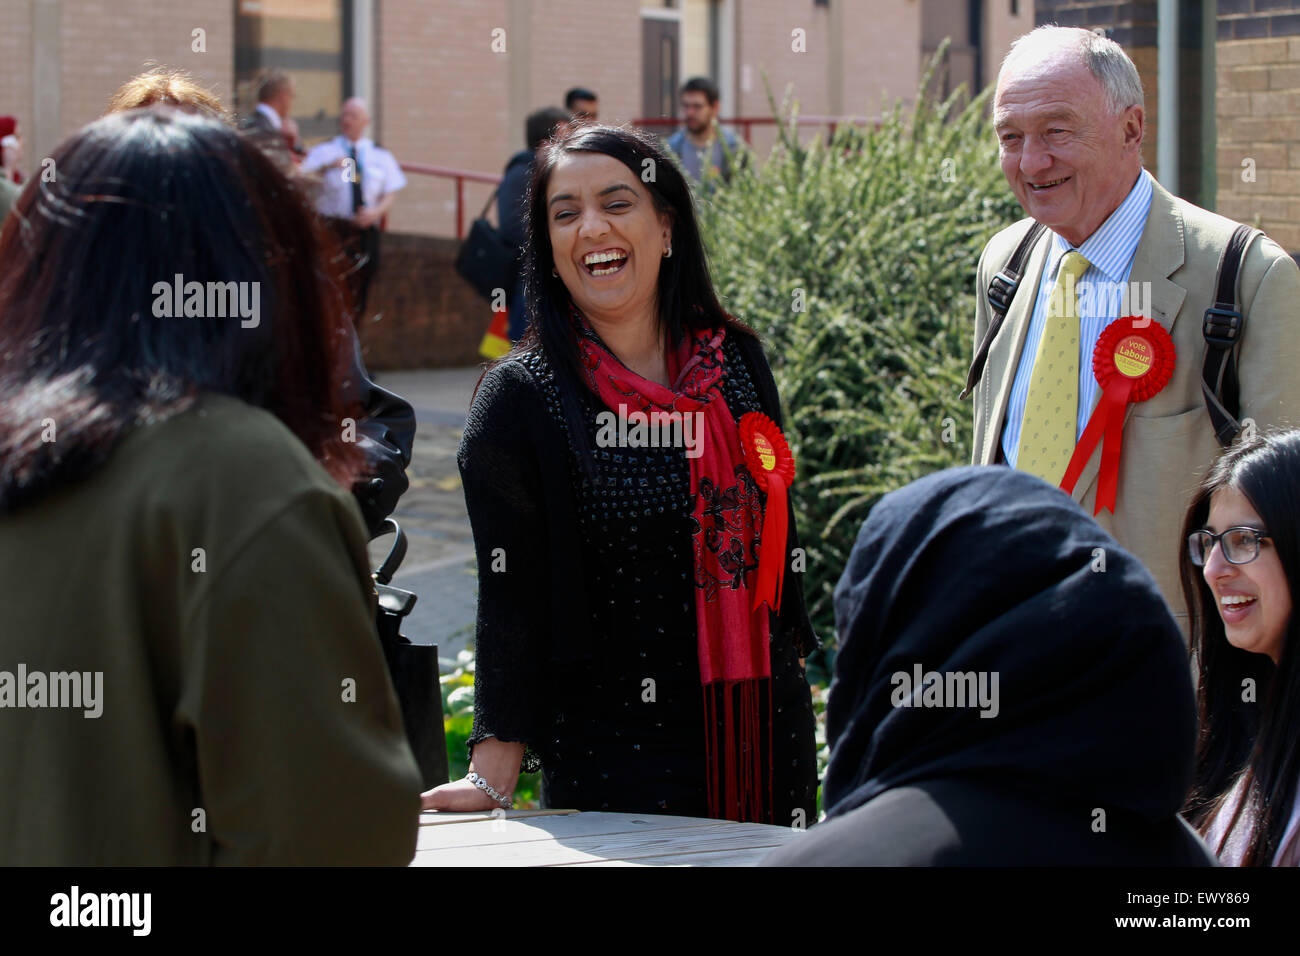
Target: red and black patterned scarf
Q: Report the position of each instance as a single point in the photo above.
(726, 518)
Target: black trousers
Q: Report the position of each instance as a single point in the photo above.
(361, 252)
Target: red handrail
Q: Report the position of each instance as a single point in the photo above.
(746, 124)
(461, 176)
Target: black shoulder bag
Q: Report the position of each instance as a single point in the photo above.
(487, 260)
(412, 667)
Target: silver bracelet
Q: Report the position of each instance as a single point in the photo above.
(490, 790)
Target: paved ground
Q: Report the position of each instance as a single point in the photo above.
(439, 565)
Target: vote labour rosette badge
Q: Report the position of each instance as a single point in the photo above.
(769, 460)
(1133, 361)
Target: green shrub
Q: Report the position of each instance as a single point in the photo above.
(855, 260)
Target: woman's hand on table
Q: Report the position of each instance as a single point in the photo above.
(497, 761)
(459, 796)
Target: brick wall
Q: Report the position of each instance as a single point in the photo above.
(1132, 26)
(764, 48)
(100, 46)
(1257, 112)
(1258, 19)
(1258, 147)
(16, 71)
(424, 314)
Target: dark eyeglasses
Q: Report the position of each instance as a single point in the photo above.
(1240, 545)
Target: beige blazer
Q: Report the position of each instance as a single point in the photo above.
(1169, 443)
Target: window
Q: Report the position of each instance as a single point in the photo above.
(310, 40)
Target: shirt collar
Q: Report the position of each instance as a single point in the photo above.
(362, 144)
(270, 114)
(1110, 249)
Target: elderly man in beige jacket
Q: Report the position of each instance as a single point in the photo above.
(1069, 118)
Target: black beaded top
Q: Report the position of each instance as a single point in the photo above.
(621, 727)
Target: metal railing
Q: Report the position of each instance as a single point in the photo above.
(461, 176)
(746, 125)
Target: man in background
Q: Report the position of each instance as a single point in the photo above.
(358, 188)
(265, 125)
(702, 145)
(581, 104)
(511, 195)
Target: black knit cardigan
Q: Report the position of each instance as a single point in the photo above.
(533, 616)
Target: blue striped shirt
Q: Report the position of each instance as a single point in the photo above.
(1102, 291)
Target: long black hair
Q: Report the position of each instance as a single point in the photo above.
(138, 198)
(686, 299)
(1255, 741)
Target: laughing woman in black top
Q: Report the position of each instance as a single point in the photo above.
(621, 645)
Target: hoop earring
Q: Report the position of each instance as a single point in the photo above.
(554, 273)
(669, 253)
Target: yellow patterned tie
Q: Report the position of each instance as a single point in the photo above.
(1052, 405)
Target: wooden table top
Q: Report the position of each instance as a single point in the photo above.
(572, 838)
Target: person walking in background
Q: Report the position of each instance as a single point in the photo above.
(1241, 580)
(360, 184)
(582, 105)
(997, 699)
(176, 530)
(11, 150)
(701, 144)
(628, 645)
(1069, 118)
(274, 91)
(512, 211)
(386, 432)
(8, 195)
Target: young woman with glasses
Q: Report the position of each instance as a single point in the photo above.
(1239, 573)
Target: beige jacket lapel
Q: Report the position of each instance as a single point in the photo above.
(1160, 253)
(1005, 353)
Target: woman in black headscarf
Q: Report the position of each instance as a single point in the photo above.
(1058, 728)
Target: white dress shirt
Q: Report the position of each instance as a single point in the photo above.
(1102, 291)
(380, 175)
(270, 114)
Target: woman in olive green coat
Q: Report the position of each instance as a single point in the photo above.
(189, 670)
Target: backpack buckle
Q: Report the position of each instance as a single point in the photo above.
(1002, 289)
(1222, 327)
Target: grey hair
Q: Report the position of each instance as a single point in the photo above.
(1104, 58)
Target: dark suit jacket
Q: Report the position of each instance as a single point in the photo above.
(259, 129)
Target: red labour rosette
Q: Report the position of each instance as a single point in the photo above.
(1133, 361)
(767, 454)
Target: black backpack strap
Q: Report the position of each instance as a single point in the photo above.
(488, 205)
(1222, 327)
(1002, 289)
